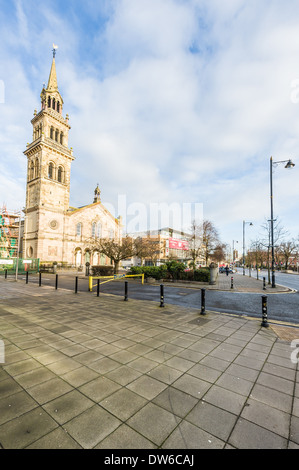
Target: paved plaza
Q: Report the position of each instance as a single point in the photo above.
(81, 371)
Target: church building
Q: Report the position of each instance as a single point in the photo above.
(54, 231)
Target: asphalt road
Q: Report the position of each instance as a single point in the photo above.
(281, 307)
(288, 280)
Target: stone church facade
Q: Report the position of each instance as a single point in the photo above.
(54, 231)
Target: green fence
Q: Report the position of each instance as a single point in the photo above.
(24, 265)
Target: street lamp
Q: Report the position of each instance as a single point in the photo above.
(289, 165)
(244, 223)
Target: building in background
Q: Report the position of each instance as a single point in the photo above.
(169, 244)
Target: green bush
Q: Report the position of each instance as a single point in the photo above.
(175, 269)
(202, 275)
(157, 272)
(172, 270)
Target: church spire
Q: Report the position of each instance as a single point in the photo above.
(50, 96)
(52, 83)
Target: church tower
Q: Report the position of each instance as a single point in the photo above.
(48, 176)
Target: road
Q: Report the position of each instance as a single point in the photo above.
(281, 307)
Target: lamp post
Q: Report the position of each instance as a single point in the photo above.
(244, 223)
(289, 165)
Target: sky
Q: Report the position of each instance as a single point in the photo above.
(175, 106)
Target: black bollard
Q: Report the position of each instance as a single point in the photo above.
(161, 295)
(126, 291)
(76, 285)
(232, 283)
(40, 279)
(264, 283)
(203, 302)
(56, 282)
(27, 275)
(98, 288)
(5, 274)
(265, 323)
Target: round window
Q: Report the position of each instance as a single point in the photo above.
(54, 224)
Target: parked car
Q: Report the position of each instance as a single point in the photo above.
(222, 269)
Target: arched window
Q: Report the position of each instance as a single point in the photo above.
(51, 170)
(58, 106)
(78, 256)
(99, 230)
(93, 230)
(87, 256)
(49, 102)
(36, 169)
(52, 133)
(56, 135)
(61, 138)
(31, 170)
(60, 174)
(79, 229)
(53, 103)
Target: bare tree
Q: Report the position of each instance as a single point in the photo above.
(219, 253)
(147, 248)
(195, 243)
(286, 250)
(279, 233)
(115, 249)
(210, 240)
(205, 242)
(119, 250)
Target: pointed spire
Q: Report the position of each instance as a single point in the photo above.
(50, 96)
(52, 83)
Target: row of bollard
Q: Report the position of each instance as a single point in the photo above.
(264, 323)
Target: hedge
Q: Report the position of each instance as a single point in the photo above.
(172, 272)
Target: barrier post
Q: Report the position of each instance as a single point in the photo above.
(264, 283)
(161, 295)
(265, 323)
(232, 283)
(90, 283)
(98, 287)
(203, 302)
(40, 279)
(27, 274)
(76, 285)
(56, 282)
(5, 274)
(126, 290)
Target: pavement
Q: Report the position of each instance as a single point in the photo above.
(81, 372)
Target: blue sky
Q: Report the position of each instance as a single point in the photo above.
(170, 101)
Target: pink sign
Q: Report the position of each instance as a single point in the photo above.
(178, 244)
